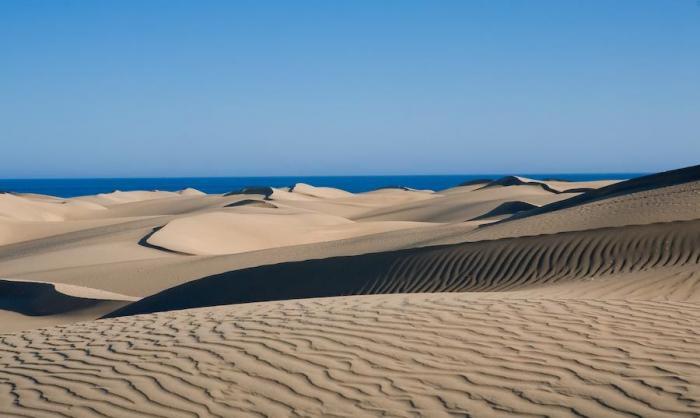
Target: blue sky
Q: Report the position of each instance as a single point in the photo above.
(238, 88)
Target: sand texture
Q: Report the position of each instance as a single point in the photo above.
(498, 297)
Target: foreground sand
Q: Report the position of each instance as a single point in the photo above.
(426, 354)
(511, 297)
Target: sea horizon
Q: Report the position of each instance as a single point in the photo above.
(81, 186)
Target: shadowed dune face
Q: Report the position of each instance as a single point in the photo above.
(29, 304)
(459, 204)
(552, 185)
(636, 185)
(37, 299)
(475, 182)
(497, 265)
(663, 204)
(266, 192)
(507, 208)
(392, 355)
(253, 203)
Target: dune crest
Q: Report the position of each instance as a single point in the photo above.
(229, 233)
(498, 265)
(321, 192)
(27, 303)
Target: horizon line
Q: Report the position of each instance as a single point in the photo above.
(335, 175)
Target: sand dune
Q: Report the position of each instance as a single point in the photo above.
(149, 275)
(117, 197)
(507, 297)
(322, 192)
(621, 206)
(30, 304)
(506, 209)
(190, 192)
(228, 232)
(552, 186)
(398, 355)
(497, 265)
(460, 204)
(359, 205)
(14, 231)
(636, 185)
(16, 207)
(252, 202)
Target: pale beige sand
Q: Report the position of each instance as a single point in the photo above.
(21, 208)
(358, 204)
(461, 204)
(560, 303)
(102, 257)
(552, 185)
(667, 204)
(236, 232)
(322, 192)
(12, 231)
(110, 252)
(497, 265)
(398, 355)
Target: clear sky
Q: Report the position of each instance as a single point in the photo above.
(236, 88)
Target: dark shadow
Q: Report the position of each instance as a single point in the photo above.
(251, 202)
(39, 299)
(144, 243)
(506, 208)
(474, 182)
(265, 191)
(496, 265)
(635, 185)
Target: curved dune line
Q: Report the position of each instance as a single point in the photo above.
(497, 265)
(399, 355)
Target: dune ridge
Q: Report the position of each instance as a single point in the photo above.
(28, 304)
(506, 208)
(636, 185)
(497, 265)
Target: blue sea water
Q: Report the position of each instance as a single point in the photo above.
(86, 186)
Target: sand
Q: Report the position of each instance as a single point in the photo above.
(426, 354)
(504, 297)
(250, 230)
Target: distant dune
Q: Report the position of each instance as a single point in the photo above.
(235, 232)
(506, 208)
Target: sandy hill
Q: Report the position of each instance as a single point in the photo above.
(508, 264)
(506, 297)
(26, 304)
(662, 197)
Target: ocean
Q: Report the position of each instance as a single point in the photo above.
(71, 187)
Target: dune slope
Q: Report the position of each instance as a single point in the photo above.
(398, 355)
(496, 265)
(236, 232)
(28, 304)
(635, 185)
